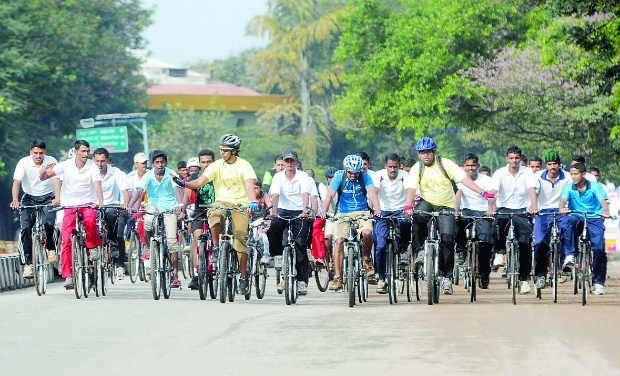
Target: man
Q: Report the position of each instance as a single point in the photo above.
(114, 186)
(36, 192)
(182, 169)
(278, 165)
(581, 159)
(434, 179)
(198, 200)
(544, 191)
(587, 196)
(594, 171)
(331, 211)
(366, 168)
(354, 189)
(233, 179)
(472, 204)
(513, 197)
(406, 164)
(162, 197)
(140, 161)
(535, 164)
(392, 197)
(290, 197)
(81, 185)
(485, 170)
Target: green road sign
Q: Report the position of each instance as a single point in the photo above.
(114, 139)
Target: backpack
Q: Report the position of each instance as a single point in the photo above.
(443, 170)
(344, 182)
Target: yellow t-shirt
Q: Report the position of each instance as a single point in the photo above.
(435, 189)
(229, 180)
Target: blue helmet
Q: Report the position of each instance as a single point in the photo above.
(425, 143)
(352, 163)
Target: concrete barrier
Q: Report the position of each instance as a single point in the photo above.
(11, 271)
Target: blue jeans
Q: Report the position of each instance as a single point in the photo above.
(570, 228)
(542, 238)
(380, 233)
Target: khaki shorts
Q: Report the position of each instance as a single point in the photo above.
(341, 229)
(329, 228)
(240, 225)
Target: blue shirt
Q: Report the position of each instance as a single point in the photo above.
(589, 200)
(352, 198)
(161, 195)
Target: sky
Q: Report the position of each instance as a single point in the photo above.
(186, 31)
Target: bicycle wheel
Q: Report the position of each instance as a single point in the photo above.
(410, 280)
(233, 268)
(286, 274)
(155, 270)
(181, 262)
(78, 280)
(321, 276)
(512, 269)
(456, 270)
(223, 270)
(100, 275)
(133, 257)
(585, 272)
(473, 272)
(351, 270)
(391, 273)
(86, 272)
(260, 279)
(203, 276)
(429, 272)
(167, 270)
(554, 270)
(251, 267)
(108, 264)
(37, 265)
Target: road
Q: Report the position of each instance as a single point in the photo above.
(129, 333)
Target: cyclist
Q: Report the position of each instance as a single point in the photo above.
(584, 195)
(544, 190)
(233, 179)
(406, 164)
(581, 159)
(596, 172)
(81, 185)
(113, 184)
(392, 197)
(36, 192)
(194, 199)
(182, 169)
(434, 179)
(535, 164)
(140, 161)
(472, 204)
(278, 165)
(162, 196)
(485, 170)
(323, 191)
(513, 196)
(290, 197)
(354, 188)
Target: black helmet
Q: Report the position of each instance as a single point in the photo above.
(331, 171)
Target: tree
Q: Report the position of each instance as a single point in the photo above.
(235, 69)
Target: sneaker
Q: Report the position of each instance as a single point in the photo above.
(69, 283)
(28, 272)
(498, 260)
(446, 286)
(569, 262)
(187, 249)
(265, 259)
(382, 287)
(52, 257)
(372, 279)
(337, 286)
(193, 284)
(302, 288)
(460, 258)
(484, 282)
(525, 288)
(598, 289)
(419, 259)
(281, 286)
(540, 282)
(175, 283)
(243, 285)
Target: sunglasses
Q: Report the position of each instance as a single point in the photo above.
(226, 150)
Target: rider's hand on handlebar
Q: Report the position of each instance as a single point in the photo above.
(533, 208)
(563, 210)
(56, 201)
(408, 210)
(178, 181)
(14, 204)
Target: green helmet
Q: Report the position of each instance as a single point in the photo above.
(552, 156)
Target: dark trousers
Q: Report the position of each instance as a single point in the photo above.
(115, 222)
(484, 231)
(523, 236)
(447, 231)
(26, 222)
(277, 240)
(570, 228)
(380, 234)
(542, 239)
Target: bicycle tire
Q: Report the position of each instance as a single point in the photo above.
(223, 270)
(77, 270)
(473, 272)
(390, 273)
(250, 266)
(585, 272)
(554, 271)
(429, 273)
(288, 289)
(512, 260)
(167, 270)
(232, 277)
(86, 271)
(321, 276)
(456, 271)
(109, 265)
(351, 276)
(155, 270)
(38, 265)
(278, 278)
(260, 280)
(133, 257)
(410, 280)
(100, 275)
(203, 275)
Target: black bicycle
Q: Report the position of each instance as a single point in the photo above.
(471, 272)
(40, 262)
(256, 248)
(512, 253)
(553, 256)
(392, 265)
(135, 262)
(161, 262)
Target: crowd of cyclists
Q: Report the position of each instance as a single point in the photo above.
(524, 201)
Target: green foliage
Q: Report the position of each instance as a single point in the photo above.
(235, 69)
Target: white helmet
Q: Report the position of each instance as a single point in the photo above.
(230, 140)
(193, 162)
(352, 163)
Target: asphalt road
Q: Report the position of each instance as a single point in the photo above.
(128, 333)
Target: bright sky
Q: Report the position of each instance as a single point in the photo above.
(185, 31)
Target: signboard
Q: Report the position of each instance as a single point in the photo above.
(114, 139)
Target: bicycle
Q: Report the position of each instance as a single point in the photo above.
(228, 264)
(82, 264)
(207, 271)
(431, 255)
(258, 270)
(554, 256)
(323, 271)
(392, 265)
(103, 263)
(135, 262)
(185, 263)
(39, 245)
(356, 279)
(512, 252)
(471, 272)
(161, 262)
(413, 275)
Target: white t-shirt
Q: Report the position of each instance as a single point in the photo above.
(290, 191)
(392, 193)
(28, 173)
(548, 192)
(77, 184)
(472, 200)
(112, 183)
(513, 190)
(324, 191)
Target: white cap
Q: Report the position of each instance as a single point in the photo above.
(193, 162)
(140, 158)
